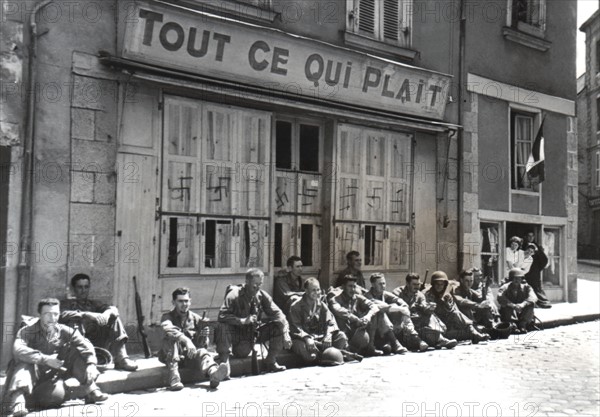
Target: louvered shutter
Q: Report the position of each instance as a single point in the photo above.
(366, 16)
(391, 20)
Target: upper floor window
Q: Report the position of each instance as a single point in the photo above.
(597, 169)
(529, 15)
(522, 136)
(597, 56)
(383, 20)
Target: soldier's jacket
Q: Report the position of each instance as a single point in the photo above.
(516, 294)
(238, 305)
(467, 298)
(446, 309)
(71, 308)
(360, 279)
(387, 298)
(177, 328)
(304, 321)
(33, 345)
(349, 310)
(416, 302)
(284, 287)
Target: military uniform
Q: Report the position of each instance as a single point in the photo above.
(232, 334)
(317, 323)
(286, 290)
(521, 294)
(428, 326)
(399, 315)
(468, 301)
(103, 332)
(32, 348)
(177, 330)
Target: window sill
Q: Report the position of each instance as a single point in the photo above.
(233, 8)
(524, 192)
(525, 39)
(372, 45)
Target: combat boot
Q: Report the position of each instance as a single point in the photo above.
(477, 337)
(446, 343)
(218, 373)
(174, 378)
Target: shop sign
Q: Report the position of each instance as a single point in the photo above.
(226, 49)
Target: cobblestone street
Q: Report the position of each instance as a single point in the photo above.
(553, 372)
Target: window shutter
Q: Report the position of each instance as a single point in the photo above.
(391, 19)
(366, 16)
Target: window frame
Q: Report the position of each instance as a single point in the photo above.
(523, 25)
(534, 116)
(597, 169)
(405, 8)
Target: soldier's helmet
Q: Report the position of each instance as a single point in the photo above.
(332, 357)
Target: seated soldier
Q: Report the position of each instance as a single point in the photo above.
(397, 311)
(181, 344)
(289, 288)
(472, 303)
(45, 354)
(428, 326)
(248, 309)
(459, 326)
(517, 300)
(312, 326)
(354, 263)
(358, 318)
(98, 322)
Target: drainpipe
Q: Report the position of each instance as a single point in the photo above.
(24, 267)
(459, 137)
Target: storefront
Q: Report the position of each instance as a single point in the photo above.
(247, 145)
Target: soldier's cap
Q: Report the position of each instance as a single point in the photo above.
(348, 278)
(515, 272)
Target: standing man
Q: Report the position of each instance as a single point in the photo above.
(459, 326)
(535, 262)
(429, 327)
(354, 263)
(181, 344)
(312, 326)
(289, 287)
(98, 322)
(40, 351)
(517, 300)
(248, 309)
(397, 311)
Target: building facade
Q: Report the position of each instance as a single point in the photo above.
(183, 142)
(588, 124)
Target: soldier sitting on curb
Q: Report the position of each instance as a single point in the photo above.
(517, 300)
(181, 344)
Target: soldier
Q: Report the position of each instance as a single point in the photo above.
(98, 322)
(459, 326)
(46, 353)
(246, 310)
(181, 344)
(354, 263)
(312, 326)
(397, 311)
(517, 300)
(428, 326)
(289, 288)
(358, 318)
(472, 303)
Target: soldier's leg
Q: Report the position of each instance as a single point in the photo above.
(76, 367)
(169, 354)
(406, 333)
(273, 333)
(227, 335)
(526, 317)
(339, 340)
(359, 340)
(299, 348)
(204, 363)
(19, 385)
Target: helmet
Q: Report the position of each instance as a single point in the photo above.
(502, 330)
(105, 358)
(48, 394)
(332, 357)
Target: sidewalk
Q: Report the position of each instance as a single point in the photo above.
(152, 374)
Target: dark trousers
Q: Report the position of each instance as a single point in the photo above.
(240, 339)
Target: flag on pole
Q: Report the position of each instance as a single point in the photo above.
(535, 163)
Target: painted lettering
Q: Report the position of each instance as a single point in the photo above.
(404, 93)
(314, 75)
(434, 90)
(164, 33)
(280, 56)
(386, 92)
(369, 81)
(150, 18)
(258, 46)
(191, 48)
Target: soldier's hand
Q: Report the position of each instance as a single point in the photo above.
(91, 373)
(53, 362)
(327, 342)
(190, 348)
(363, 321)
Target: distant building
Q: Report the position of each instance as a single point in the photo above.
(588, 128)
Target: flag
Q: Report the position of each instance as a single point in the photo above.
(535, 163)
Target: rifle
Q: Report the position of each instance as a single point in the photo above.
(254, 311)
(140, 320)
(485, 287)
(424, 280)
